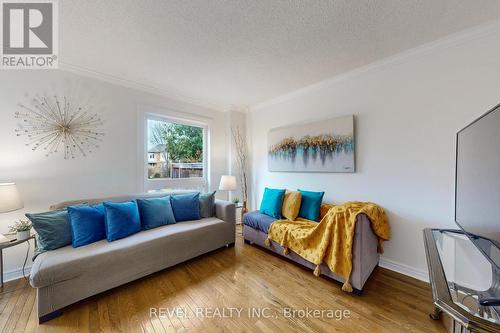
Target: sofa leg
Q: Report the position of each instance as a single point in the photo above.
(230, 245)
(49, 316)
(357, 292)
(248, 242)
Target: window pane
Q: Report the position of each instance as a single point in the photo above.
(174, 150)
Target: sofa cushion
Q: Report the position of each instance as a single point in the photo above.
(311, 204)
(258, 221)
(86, 224)
(207, 204)
(52, 230)
(132, 257)
(155, 212)
(186, 206)
(272, 201)
(291, 205)
(121, 220)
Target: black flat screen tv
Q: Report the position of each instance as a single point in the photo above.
(477, 186)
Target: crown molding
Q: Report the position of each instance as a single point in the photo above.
(448, 41)
(167, 93)
(419, 51)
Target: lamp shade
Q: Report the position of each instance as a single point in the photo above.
(227, 183)
(9, 198)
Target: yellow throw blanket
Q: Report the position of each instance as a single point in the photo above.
(331, 239)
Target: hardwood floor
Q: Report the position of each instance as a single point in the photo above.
(244, 277)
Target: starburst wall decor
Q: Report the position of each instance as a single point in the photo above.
(55, 125)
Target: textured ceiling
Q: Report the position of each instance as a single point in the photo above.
(245, 52)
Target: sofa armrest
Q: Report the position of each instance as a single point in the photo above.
(225, 211)
(364, 252)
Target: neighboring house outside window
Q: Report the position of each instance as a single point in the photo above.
(176, 150)
(157, 162)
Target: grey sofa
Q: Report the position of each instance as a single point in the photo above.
(67, 275)
(364, 252)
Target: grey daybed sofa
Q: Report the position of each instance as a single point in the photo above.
(364, 252)
(67, 275)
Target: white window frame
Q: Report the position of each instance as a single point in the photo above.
(160, 114)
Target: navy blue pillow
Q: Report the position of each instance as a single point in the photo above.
(155, 212)
(186, 206)
(121, 219)
(86, 224)
(52, 230)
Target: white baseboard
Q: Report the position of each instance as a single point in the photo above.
(416, 273)
(17, 273)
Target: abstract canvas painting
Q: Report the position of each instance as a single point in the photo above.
(322, 146)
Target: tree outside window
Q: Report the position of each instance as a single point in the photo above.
(174, 150)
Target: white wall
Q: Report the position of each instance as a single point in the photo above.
(110, 170)
(407, 112)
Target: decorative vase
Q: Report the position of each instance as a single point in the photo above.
(22, 235)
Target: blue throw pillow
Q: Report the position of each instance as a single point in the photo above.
(86, 224)
(186, 206)
(272, 202)
(155, 212)
(310, 205)
(52, 230)
(121, 219)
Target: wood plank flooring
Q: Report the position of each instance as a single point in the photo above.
(241, 278)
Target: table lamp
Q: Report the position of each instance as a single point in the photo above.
(10, 200)
(227, 183)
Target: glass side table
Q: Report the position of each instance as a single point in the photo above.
(460, 276)
(12, 242)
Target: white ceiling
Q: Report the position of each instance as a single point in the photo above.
(223, 52)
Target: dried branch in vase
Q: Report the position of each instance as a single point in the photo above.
(241, 159)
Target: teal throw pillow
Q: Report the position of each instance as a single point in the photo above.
(52, 228)
(310, 205)
(155, 212)
(272, 202)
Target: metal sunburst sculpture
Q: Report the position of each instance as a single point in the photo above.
(54, 125)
